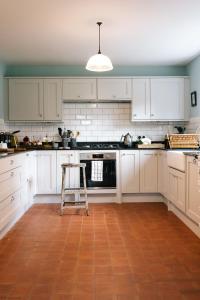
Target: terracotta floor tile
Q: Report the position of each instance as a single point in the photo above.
(110, 255)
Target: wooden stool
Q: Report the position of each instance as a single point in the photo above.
(77, 202)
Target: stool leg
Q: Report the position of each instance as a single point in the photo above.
(85, 192)
(62, 191)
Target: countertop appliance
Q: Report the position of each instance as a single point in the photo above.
(127, 140)
(104, 164)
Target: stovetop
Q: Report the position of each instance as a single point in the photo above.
(98, 146)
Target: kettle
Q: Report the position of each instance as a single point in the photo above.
(127, 140)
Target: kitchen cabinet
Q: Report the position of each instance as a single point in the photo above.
(193, 189)
(114, 89)
(148, 171)
(72, 175)
(26, 100)
(52, 100)
(163, 98)
(35, 99)
(167, 99)
(130, 173)
(141, 99)
(79, 89)
(46, 172)
(176, 193)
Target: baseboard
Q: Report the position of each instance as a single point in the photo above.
(184, 218)
(127, 198)
(106, 198)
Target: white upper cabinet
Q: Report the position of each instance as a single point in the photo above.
(35, 99)
(160, 99)
(141, 99)
(148, 171)
(114, 89)
(52, 99)
(167, 99)
(130, 171)
(26, 100)
(79, 89)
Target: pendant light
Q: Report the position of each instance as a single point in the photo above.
(99, 62)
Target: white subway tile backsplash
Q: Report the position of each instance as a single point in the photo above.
(96, 122)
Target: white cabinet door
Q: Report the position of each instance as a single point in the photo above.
(52, 100)
(167, 99)
(46, 172)
(72, 175)
(141, 99)
(25, 99)
(176, 192)
(79, 89)
(193, 190)
(148, 171)
(114, 89)
(130, 175)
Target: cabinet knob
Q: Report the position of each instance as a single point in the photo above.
(78, 96)
(41, 115)
(152, 115)
(135, 115)
(58, 115)
(11, 162)
(12, 174)
(12, 198)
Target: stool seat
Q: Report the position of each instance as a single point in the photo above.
(77, 202)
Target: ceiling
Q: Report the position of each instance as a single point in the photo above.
(134, 32)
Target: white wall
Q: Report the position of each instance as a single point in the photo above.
(96, 122)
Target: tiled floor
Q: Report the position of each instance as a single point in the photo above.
(119, 252)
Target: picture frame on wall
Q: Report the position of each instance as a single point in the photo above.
(194, 98)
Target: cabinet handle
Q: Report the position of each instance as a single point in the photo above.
(41, 115)
(135, 115)
(12, 174)
(152, 115)
(78, 96)
(114, 96)
(58, 115)
(12, 199)
(27, 154)
(11, 162)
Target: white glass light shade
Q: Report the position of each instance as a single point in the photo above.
(99, 63)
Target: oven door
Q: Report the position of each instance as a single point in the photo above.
(108, 178)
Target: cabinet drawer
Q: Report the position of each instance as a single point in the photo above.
(8, 208)
(9, 163)
(9, 182)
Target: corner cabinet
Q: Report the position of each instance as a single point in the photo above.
(160, 99)
(35, 99)
(79, 89)
(114, 89)
(130, 171)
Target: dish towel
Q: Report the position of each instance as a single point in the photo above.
(97, 170)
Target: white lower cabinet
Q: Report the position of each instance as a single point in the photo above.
(193, 190)
(176, 193)
(72, 175)
(162, 173)
(45, 172)
(130, 171)
(149, 171)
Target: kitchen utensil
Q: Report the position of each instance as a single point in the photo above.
(127, 140)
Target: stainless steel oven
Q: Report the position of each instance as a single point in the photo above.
(100, 170)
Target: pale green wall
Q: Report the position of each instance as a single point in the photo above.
(28, 70)
(194, 72)
(2, 73)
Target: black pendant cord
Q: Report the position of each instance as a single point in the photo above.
(99, 24)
